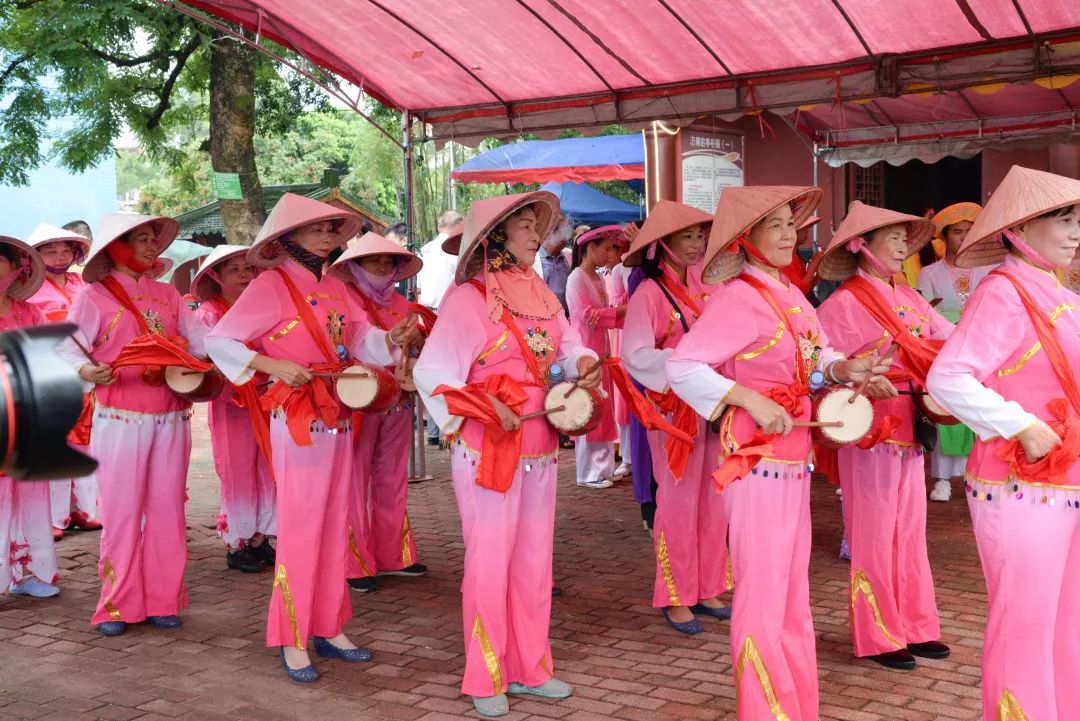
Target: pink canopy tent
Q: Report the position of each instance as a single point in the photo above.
(860, 77)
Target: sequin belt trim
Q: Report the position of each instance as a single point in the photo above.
(459, 441)
(529, 461)
(782, 469)
(119, 414)
(1013, 489)
(342, 426)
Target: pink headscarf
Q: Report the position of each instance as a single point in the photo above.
(1027, 251)
(858, 245)
(20, 269)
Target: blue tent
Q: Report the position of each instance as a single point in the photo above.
(585, 204)
(581, 160)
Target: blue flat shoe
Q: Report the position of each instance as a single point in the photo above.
(690, 628)
(165, 621)
(300, 675)
(721, 612)
(112, 628)
(328, 650)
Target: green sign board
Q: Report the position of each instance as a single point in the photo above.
(226, 185)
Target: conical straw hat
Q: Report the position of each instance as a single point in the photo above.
(666, 218)
(953, 214)
(113, 227)
(293, 211)
(485, 215)
(839, 263)
(45, 233)
(1022, 195)
(24, 288)
(203, 287)
(372, 243)
(739, 210)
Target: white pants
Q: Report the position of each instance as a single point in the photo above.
(26, 542)
(943, 466)
(595, 459)
(73, 494)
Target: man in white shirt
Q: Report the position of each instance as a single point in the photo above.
(437, 275)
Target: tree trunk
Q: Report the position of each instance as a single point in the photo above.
(232, 130)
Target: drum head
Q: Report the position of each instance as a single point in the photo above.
(857, 417)
(578, 408)
(933, 406)
(358, 387)
(182, 380)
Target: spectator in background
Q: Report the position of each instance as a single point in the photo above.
(434, 279)
(554, 265)
(80, 227)
(398, 232)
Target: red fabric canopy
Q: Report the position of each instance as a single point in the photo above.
(482, 68)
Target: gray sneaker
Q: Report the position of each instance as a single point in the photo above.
(552, 688)
(491, 706)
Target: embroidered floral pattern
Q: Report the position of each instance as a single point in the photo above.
(335, 328)
(154, 321)
(543, 347)
(810, 349)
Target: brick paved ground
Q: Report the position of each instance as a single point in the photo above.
(623, 661)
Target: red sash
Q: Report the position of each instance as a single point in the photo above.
(679, 291)
(1054, 466)
(513, 330)
(314, 400)
(372, 311)
(427, 317)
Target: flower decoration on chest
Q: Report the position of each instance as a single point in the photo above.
(539, 342)
(335, 328)
(154, 321)
(810, 348)
(962, 284)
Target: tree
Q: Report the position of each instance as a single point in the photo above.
(108, 65)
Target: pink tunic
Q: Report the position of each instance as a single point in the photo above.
(56, 301)
(615, 284)
(592, 317)
(995, 377)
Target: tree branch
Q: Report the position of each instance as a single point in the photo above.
(130, 62)
(166, 89)
(12, 66)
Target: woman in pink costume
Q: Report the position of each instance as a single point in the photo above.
(689, 530)
(133, 326)
(951, 286)
(500, 342)
(73, 500)
(592, 316)
(616, 283)
(28, 565)
(247, 517)
(381, 538)
(893, 611)
(1009, 373)
(303, 322)
(755, 377)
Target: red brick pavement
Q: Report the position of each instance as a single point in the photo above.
(608, 642)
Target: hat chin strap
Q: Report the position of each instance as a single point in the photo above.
(1027, 251)
(749, 249)
(858, 246)
(121, 254)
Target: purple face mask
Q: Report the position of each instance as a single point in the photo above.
(380, 288)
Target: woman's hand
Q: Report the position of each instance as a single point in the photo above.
(589, 372)
(509, 420)
(406, 332)
(1038, 440)
(859, 369)
(99, 374)
(881, 388)
(768, 414)
(292, 373)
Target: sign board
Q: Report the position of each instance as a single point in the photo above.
(226, 186)
(709, 162)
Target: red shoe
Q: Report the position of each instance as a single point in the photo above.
(57, 534)
(79, 519)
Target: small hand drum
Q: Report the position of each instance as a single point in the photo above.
(367, 388)
(834, 406)
(581, 410)
(933, 410)
(194, 386)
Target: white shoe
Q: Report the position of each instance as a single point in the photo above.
(35, 587)
(839, 492)
(601, 483)
(622, 470)
(942, 491)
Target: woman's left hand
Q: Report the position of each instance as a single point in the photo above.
(406, 332)
(880, 388)
(589, 372)
(857, 370)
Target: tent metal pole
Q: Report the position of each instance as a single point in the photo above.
(417, 459)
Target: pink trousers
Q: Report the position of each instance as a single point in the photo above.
(772, 631)
(247, 487)
(1029, 544)
(142, 468)
(891, 600)
(309, 596)
(26, 542)
(73, 494)
(690, 528)
(506, 589)
(377, 517)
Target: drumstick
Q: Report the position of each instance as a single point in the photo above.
(341, 375)
(817, 424)
(85, 351)
(588, 371)
(540, 414)
(862, 386)
(935, 301)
